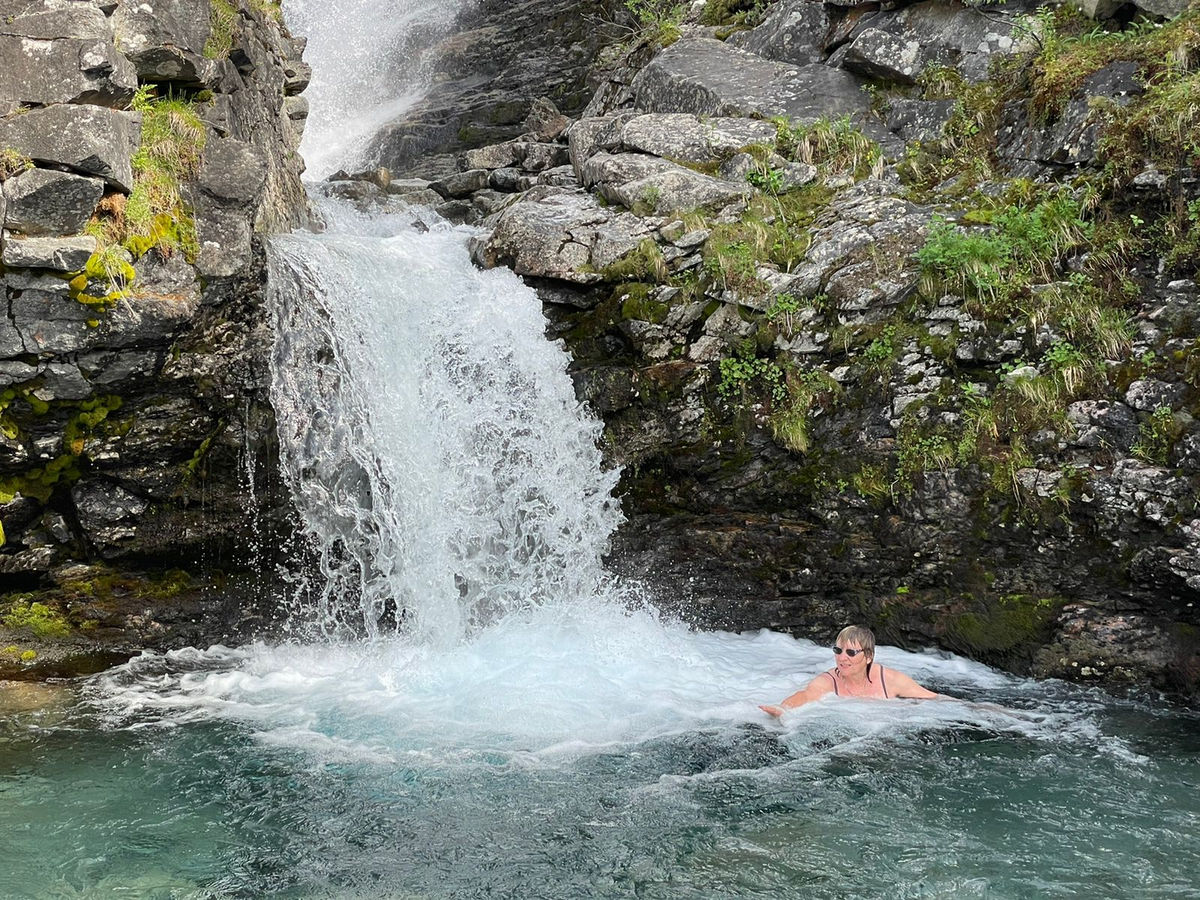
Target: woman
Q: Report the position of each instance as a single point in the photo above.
(856, 675)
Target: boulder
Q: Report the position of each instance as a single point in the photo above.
(900, 46)
(42, 202)
(165, 41)
(660, 186)
(794, 31)
(686, 138)
(557, 233)
(60, 254)
(590, 135)
(544, 122)
(233, 172)
(68, 70)
(91, 140)
(709, 78)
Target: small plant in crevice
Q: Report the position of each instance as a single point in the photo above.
(1157, 437)
(658, 20)
(745, 377)
(833, 146)
(790, 421)
(13, 163)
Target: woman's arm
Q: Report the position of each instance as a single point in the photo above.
(815, 690)
(903, 686)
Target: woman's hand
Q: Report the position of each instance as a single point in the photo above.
(775, 711)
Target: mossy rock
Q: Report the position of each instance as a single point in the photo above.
(1005, 631)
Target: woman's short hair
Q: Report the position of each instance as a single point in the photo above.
(858, 634)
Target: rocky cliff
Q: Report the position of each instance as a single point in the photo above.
(144, 150)
(890, 312)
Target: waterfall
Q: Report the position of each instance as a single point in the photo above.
(369, 63)
(446, 474)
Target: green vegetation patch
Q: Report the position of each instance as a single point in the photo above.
(13, 162)
(39, 618)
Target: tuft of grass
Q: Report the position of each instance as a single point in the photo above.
(173, 139)
(223, 26)
(13, 163)
(659, 21)
(834, 146)
(790, 423)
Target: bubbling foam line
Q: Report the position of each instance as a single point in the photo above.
(546, 689)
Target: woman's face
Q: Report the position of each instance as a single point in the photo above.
(849, 665)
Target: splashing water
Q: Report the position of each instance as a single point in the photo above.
(369, 66)
(445, 470)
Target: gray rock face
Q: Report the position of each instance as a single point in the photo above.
(794, 31)
(61, 254)
(636, 180)
(41, 71)
(555, 233)
(899, 47)
(165, 40)
(706, 77)
(686, 138)
(91, 140)
(170, 369)
(41, 201)
(1073, 137)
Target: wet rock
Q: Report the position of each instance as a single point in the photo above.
(91, 140)
(107, 512)
(462, 184)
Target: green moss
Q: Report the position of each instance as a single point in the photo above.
(1012, 626)
(90, 415)
(41, 481)
(43, 621)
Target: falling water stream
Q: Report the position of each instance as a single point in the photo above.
(469, 705)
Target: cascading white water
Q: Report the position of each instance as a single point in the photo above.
(369, 65)
(445, 471)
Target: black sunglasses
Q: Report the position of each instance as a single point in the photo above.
(850, 653)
